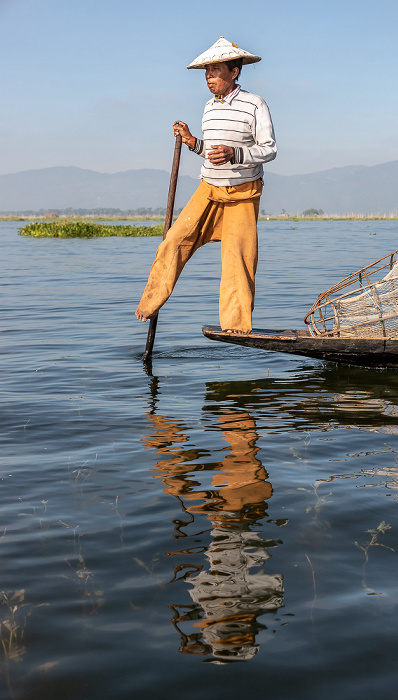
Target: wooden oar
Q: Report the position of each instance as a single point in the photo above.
(168, 221)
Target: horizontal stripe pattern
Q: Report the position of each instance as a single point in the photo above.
(245, 124)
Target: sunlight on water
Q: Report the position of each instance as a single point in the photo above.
(223, 519)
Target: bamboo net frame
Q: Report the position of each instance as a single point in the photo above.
(362, 305)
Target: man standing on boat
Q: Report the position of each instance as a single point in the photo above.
(238, 137)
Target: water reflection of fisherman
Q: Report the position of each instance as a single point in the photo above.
(228, 597)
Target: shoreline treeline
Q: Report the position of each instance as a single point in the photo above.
(150, 214)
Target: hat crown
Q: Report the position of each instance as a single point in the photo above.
(223, 50)
(223, 42)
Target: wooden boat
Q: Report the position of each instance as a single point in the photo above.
(355, 321)
(369, 352)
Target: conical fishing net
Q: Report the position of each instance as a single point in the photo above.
(362, 305)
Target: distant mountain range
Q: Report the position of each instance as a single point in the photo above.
(350, 190)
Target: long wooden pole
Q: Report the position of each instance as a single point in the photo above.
(168, 221)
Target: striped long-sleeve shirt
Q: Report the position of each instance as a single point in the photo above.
(245, 124)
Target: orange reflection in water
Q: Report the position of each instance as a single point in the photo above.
(230, 589)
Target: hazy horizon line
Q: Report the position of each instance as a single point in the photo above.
(117, 172)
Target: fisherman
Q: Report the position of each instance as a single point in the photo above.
(238, 137)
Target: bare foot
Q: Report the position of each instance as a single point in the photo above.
(140, 315)
(233, 331)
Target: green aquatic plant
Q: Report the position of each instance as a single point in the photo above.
(320, 500)
(12, 629)
(374, 534)
(83, 229)
(92, 597)
(14, 613)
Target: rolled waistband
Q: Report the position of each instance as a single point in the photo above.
(234, 193)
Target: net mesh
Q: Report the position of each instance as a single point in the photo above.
(362, 305)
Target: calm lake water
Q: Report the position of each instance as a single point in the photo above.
(224, 522)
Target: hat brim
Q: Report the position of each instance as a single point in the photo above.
(214, 59)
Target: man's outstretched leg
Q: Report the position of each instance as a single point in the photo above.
(193, 228)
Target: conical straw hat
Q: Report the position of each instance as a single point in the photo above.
(223, 50)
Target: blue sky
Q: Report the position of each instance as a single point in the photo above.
(98, 83)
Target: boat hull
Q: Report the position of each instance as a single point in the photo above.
(369, 352)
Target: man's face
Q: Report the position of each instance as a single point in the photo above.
(220, 80)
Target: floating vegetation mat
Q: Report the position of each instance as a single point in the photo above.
(82, 229)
